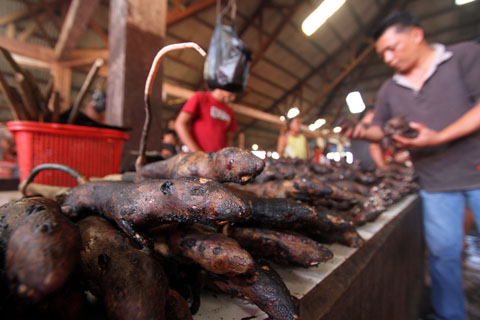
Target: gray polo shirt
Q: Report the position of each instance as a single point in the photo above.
(451, 89)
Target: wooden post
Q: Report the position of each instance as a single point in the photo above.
(136, 33)
(62, 83)
(241, 140)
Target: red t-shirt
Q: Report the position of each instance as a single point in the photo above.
(212, 119)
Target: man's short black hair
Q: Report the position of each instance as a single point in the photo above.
(170, 131)
(401, 19)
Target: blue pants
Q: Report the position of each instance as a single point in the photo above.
(443, 216)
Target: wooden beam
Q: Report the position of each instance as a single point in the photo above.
(12, 17)
(177, 15)
(42, 30)
(82, 57)
(51, 13)
(327, 89)
(27, 32)
(237, 108)
(31, 62)
(98, 30)
(10, 30)
(78, 15)
(385, 9)
(27, 49)
(252, 18)
(291, 11)
(92, 53)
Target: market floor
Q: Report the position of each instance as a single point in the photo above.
(471, 265)
(471, 281)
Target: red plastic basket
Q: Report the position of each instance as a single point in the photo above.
(91, 151)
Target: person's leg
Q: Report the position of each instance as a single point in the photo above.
(443, 223)
(473, 198)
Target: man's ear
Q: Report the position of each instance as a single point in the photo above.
(418, 34)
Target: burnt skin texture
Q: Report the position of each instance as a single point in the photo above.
(154, 202)
(297, 188)
(42, 247)
(396, 125)
(215, 252)
(290, 214)
(265, 289)
(226, 165)
(349, 237)
(282, 247)
(132, 283)
(177, 307)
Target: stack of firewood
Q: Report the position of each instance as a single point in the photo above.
(27, 102)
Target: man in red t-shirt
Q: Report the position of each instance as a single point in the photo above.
(206, 122)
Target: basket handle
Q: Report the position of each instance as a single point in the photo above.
(140, 162)
(49, 166)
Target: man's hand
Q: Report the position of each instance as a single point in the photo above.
(356, 132)
(426, 137)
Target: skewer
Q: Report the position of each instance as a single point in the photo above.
(83, 91)
(148, 90)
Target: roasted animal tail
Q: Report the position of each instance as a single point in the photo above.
(148, 90)
(51, 166)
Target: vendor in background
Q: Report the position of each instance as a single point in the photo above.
(292, 143)
(206, 122)
(169, 144)
(95, 109)
(8, 158)
(369, 154)
(437, 89)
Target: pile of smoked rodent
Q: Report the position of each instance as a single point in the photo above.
(146, 246)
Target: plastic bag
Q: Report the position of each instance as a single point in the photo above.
(227, 64)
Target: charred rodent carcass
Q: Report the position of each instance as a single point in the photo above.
(39, 247)
(226, 165)
(397, 125)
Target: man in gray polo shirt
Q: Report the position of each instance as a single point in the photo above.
(437, 88)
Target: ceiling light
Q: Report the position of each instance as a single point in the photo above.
(320, 122)
(282, 118)
(317, 124)
(275, 155)
(355, 102)
(462, 2)
(337, 129)
(255, 146)
(293, 112)
(326, 9)
(260, 154)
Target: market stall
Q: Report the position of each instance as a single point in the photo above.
(381, 280)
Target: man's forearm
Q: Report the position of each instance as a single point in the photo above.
(186, 138)
(373, 134)
(377, 155)
(465, 125)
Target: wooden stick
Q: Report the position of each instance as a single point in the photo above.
(27, 87)
(40, 100)
(48, 90)
(83, 91)
(27, 96)
(17, 111)
(54, 106)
